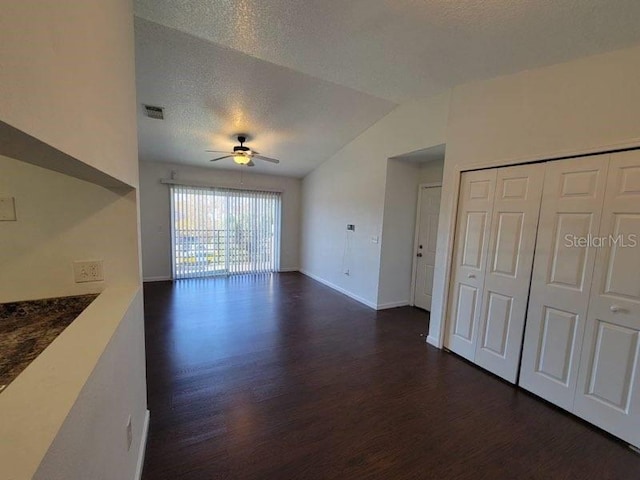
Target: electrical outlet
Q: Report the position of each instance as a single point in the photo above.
(129, 434)
(90, 271)
(7, 209)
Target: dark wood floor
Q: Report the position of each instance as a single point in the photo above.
(279, 377)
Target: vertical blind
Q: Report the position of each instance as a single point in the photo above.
(221, 231)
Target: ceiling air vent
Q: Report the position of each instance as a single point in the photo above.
(154, 112)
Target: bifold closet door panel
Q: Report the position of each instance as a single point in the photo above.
(608, 390)
(562, 273)
(512, 238)
(475, 206)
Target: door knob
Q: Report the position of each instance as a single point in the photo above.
(418, 254)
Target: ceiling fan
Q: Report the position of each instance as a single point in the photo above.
(243, 155)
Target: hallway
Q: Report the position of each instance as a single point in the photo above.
(280, 377)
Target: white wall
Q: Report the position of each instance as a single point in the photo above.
(111, 393)
(156, 215)
(67, 102)
(68, 79)
(399, 224)
(399, 218)
(577, 107)
(350, 188)
(60, 220)
(432, 171)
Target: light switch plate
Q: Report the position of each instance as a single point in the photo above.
(7, 209)
(89, 271)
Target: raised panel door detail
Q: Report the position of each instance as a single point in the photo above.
(568, 259)
(579, 184)
(473, 221)
(623, 272)
(561, 285)
(465, 311)
(479, 190)
(474, 239)
(556, 344)
(433, 232)
(511, 243)
(614, 364)
(608, 387)
(428, 283)
(630, 181)
(507, 252)
(515, 188)
(497, 324)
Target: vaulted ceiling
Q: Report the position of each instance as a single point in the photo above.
(304, 77)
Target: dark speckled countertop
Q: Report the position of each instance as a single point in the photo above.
(27, 328)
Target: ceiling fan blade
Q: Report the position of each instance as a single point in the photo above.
(266, 159)
(217, 151)
(220, 158)
(251, 164)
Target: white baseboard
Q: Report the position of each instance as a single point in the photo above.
(384, 306)
(289, 269)
(162, 278)
(143, 446)
(340, 289)
(433, 341)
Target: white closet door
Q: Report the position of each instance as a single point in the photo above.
(508, 270)
(608, 390)
(427, 238)
(470, 251)
(562, 274)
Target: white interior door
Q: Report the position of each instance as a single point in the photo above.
(608, 390)
(508, 272)
(562, 275)
(475, 208)
(429, 209)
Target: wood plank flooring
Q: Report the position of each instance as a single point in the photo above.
(279, 377)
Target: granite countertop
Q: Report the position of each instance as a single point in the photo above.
(28, 327)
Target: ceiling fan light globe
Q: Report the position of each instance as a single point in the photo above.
(241, 159)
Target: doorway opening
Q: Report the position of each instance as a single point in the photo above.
(407, 174)
(221, 231)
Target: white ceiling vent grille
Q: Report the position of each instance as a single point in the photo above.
(154, 112)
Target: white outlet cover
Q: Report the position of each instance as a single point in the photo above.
(88, 271)
(7, 209)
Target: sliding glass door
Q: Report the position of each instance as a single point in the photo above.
(217, 231)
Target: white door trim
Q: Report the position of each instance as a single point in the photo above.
(414, 264)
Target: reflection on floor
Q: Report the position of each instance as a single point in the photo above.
(280, 377)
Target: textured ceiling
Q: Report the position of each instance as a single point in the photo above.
(304, 77)
(211, 92)
(396, 49)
